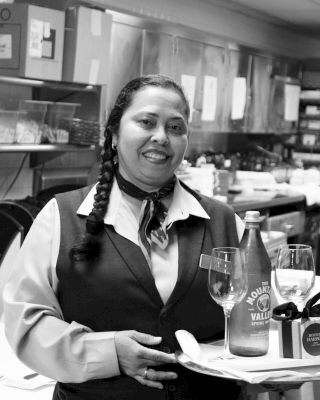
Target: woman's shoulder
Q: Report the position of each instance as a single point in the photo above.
(210, 204)
(73, 197)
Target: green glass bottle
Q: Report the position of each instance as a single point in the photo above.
(250, 319)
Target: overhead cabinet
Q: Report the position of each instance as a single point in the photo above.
(284, 105)
(236, 94)
(231, 88)
(309, 123)
(31, 41)
(212, 88)
(125, 57)
(259, 94)
(188, 57)
(86, 46)
(158, 53)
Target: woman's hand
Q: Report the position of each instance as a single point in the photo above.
(282, 387)
(135, 359)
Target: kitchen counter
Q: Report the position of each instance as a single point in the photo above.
(262, 199)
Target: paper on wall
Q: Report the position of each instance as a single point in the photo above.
(96, 22)
(209, 100)
(291, 102)
(36, 37)
(94, 71)
(5, 46)
(239, 94)
(46, 29)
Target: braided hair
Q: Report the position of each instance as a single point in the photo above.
(88, 247)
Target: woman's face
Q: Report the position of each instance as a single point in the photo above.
(152, 137)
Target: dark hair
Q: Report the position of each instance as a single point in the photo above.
(88, 246)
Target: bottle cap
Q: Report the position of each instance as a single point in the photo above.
(252, 216)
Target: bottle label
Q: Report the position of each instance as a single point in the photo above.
(258, 301)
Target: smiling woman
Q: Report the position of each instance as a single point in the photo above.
(152, 138)
(109, 272)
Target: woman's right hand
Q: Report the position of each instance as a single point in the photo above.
(135, 359)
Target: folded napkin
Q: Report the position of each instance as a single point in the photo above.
(311, 190)
(267, 369)
(16, 374)
(31, 381)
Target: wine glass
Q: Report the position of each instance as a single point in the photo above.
(295, 273)
(227, 284)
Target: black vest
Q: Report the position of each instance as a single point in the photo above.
(117, 292)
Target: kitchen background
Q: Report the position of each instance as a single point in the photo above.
(251, 69)
(253, 81)
(218, 53)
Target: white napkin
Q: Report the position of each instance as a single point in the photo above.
(35, 381)
(14, 373)
(311, 190)
(267, 369)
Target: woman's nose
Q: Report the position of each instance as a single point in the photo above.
(160, 135)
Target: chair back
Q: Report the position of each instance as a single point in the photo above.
(11, 238)
(21, 214)
(9, 228)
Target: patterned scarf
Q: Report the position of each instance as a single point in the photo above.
(152, 224)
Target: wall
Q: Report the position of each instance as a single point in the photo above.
(253, 31)
(204, 19)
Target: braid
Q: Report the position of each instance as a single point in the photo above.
(89, 247)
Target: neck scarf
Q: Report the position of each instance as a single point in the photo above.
(152, 226)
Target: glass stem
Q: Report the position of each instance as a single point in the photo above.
(227, 313)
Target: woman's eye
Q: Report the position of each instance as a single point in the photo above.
(147, 123)
(177, 128)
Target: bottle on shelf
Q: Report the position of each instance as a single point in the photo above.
(250, 319)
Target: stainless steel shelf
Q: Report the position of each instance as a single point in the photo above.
(310, 101)
(42, 148)
(49, 84)
(309, 117)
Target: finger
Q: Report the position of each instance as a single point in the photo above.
(153, 377)
(156, 357)
(153, 384)
(145, 338)
(281, 387)
(160, 375)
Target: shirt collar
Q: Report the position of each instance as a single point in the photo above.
(182, 206)
(114, 203)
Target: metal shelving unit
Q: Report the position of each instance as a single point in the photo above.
(76, 87)
(42, 148)
(46, 151)
(41, 153)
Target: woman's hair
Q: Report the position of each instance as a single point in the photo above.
(88, 246)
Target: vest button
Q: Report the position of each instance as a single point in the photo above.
(164, 314)
(172, 388)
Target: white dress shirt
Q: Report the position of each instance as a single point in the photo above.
(34, 322)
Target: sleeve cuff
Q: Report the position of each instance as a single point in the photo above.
(102, 359)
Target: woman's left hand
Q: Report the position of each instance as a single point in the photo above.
(135, 359)
(281, 387)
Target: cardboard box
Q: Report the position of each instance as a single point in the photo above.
(299, 338)
(86, 46)
(31, 41)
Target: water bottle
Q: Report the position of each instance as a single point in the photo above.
(250, 319)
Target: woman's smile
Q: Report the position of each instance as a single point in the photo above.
(152, 138)
(155, 156)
